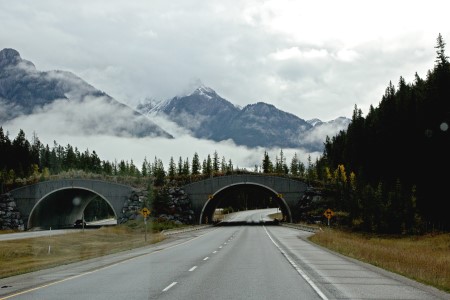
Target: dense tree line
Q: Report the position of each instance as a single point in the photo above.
(389, 169)
(23, 161)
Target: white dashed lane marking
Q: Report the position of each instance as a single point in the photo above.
(169, 286)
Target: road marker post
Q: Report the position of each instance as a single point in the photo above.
(145, 212)
(328, 214)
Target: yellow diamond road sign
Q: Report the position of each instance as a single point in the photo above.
(328, 213)
(145, 212)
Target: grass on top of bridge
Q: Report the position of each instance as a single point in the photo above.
(27, 255)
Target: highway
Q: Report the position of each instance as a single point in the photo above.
(251, 216)
(42, 233)
(231, 262)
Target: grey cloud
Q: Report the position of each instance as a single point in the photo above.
(89, 116)
(9, 110)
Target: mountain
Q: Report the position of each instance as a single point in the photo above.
(203, 112)
(26, 91)
(264, 125)
(66, 103)
(207, 115)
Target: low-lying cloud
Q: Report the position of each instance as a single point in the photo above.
(89, 116)
(90, 124)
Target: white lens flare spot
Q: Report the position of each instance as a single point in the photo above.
(444, 126)
(76, 201)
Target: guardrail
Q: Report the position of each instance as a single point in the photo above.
(185, 229)
(302, 227)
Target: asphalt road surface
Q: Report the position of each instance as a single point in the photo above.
(251, 216)
(233, 262)
(42, 233)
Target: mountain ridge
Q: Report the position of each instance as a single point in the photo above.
(207, 115)
(24, 90)
(75, 104)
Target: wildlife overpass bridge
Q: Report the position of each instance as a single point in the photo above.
(250, 191)
(58, 203)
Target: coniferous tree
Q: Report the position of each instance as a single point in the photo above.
(172, 168)
(294, 165)
(301, 169)
(144, 167)
(267, 164)
(207, 166)
(70, 160)
(223, 165)
(35, 150)
(215, 163)
(186, 167)
(5, 151)
(278, 166)
(195, 164)
(159, 173)
(310, 171)
(441, 59)
(283, 168)
(230, 167)
(180, 166)
(21, 155)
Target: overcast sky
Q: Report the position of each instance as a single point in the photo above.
(316, 59)
(311, 58)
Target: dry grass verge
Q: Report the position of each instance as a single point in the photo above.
(422, 258)
(27, 255)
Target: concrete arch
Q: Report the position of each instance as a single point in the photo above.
(211, 204)
(67, 211)
(288, 190)
(31, 199)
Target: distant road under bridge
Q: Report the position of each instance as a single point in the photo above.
(274, 191)
(58, 203)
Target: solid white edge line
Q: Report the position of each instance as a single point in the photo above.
(303, 274)
(169, 286)
(193, 268)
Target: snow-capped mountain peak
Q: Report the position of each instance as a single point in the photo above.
(314, 122)
(204, 91)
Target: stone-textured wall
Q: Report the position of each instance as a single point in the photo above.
(132, 206)
(178, 207)
(10, 217)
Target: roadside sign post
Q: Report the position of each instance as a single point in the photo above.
(328, 214)
(145, 212)
(145, 223)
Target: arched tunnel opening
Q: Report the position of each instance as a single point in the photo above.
(244, 196)
(61, 208)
